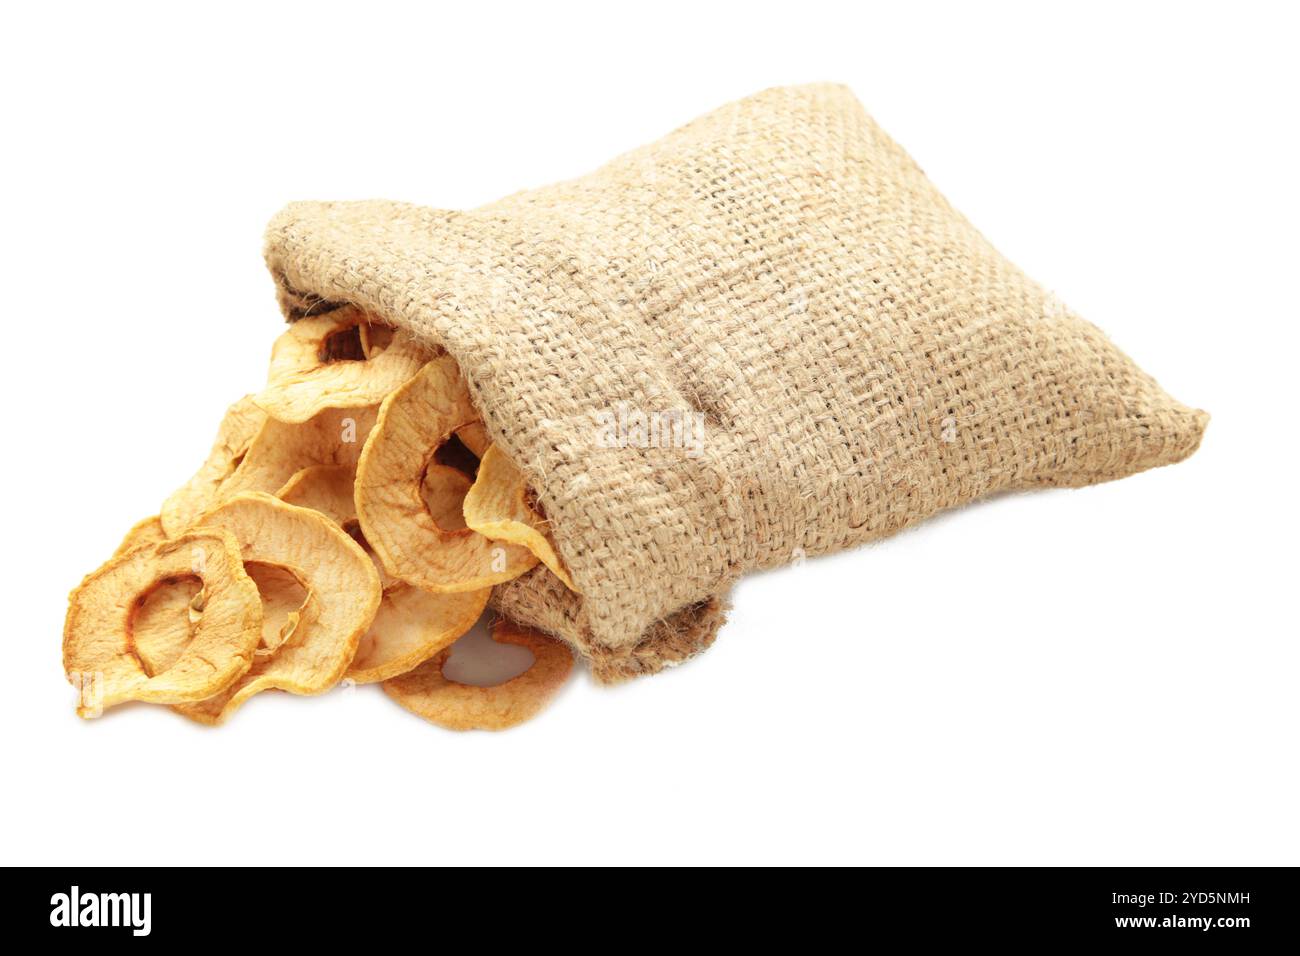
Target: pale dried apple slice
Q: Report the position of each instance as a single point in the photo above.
(498, 507)
(427, 693)
(331, 567)
(163, 622)
(144, 531)
(334, 437)
(413, 423)
(307, 376)
(375, 337)
(98, 647)
(443, 489)
(412, 626)
(323, 488)
(474, 437)
(288, 607)
(315, 340)
(242, 422)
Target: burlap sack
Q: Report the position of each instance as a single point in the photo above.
(765, 336)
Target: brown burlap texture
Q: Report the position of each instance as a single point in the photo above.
(860, 356)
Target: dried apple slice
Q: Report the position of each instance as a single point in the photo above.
(498, 507)
(307, 375)
(474, 437)
(315, 340)
(375, 337)
(331, 567)
(334, 437)
(463, 449)
(427, 693)
(288, 608)
(242, 423)
(413, 422)
(323, 488)
(443, 489)
(162, 624)
(98, 647)
(411, 625)
(145, 531)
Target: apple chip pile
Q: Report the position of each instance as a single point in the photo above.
(341, 530)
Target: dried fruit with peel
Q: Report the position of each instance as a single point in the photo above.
(443, 489)
(427, 693)
(242, 423)
(375, 337)
(411, 625)
(332, 569)
(279, 451)
(162, 624)
(463, 449)
(413, 423)
(498, 507)
(98, 642)
(307, 375)
(145, 531)
(474, 437)
(315, 340)
(323, 488)
(288, 608)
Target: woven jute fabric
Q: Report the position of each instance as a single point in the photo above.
(841, 352)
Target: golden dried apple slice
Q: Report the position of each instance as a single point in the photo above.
(98, 649)
(474, 437)
(162, 624)
(412, 626)
(334, 437)
(498, 507)
(145, 531)
(427, 693)
(331, 567)
(316, 340)
(375, 337)
(323, 488)
(240, 426)
(413, 422)
(307, 375)
(443, 489)
(288, 608)
(463, 450)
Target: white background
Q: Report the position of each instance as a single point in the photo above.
(1099, 676)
